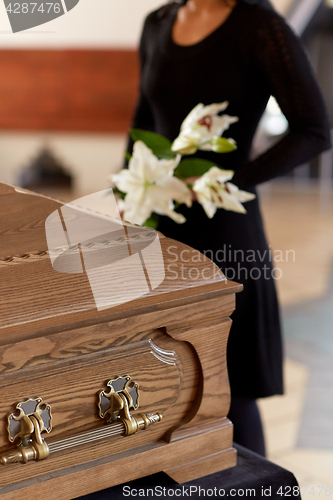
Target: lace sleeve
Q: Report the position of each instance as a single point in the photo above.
(282, 62)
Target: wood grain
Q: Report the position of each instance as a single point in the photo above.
(123, 467)
(210, 343)
(56, 345)
(49, 297)
(207, 465)
(75, 409)
(22, 221)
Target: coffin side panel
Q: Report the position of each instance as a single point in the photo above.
(165, 369)
(123, 467)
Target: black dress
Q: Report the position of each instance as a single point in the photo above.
(252, 55)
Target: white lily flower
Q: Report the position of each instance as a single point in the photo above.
(150, 186)
(200, 126)
(187, 142)
(213, 191)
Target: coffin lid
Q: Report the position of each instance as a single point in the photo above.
(32, 291)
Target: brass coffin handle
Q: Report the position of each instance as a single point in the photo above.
(35, 417)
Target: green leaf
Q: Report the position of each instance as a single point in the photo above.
(128, 156)
(193, 167)
(152, 221)
(222, 145)
(160, 146)
(119, 193)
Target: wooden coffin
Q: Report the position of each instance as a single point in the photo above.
(64, 364)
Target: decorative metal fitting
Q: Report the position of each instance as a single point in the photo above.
(26, 430)
(35, 417)
(116, 404)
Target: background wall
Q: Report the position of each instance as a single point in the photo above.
(71, 84)
(47, 88)
(91, 24)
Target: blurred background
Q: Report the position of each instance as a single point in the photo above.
(67, 93)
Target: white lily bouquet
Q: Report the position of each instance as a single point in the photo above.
(158, 176)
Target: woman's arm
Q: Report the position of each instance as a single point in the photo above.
(289, 76)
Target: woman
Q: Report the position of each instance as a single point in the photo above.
(211, 51)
